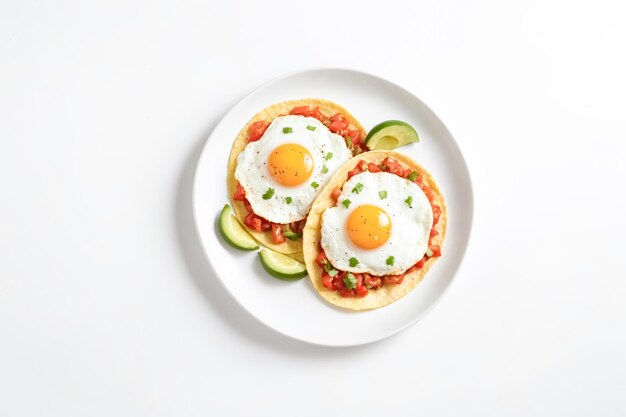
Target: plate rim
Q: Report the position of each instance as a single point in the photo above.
(469, 186)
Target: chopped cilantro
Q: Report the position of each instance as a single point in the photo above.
(357, 188)
(268, 194)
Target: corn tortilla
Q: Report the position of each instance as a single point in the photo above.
(327, 108)
(312, 236)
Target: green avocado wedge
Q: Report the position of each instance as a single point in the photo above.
(281, 266)
(391, 134)
(233, 232)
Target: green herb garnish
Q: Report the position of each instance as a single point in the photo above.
(382, 194)
(409, 200)
(328, 156)
(390, 261)
(314, 185)
(357, 188)
(412, 176)
(288, 200)
(354, 261)
(287, 130)
(330, 270)
(268, 194)
(311, 128)
(346, 203)
(324, 169)
(292, 235)
(349, 281)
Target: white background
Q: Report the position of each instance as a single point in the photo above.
(107, 306)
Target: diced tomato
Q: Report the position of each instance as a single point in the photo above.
(433, 232)
(300, 111)
(298, 226)
(247, 205)
(429, 192)
(337, 117)
(394, 279)
(257, 129)
(316, 113)
(372, 167)
(353, 172)
(337, 123)
(436, 215)
(240, 194)
(336, 126)
(355, 135)
(338, 282)
(253, 222)
(321, 259)
(277, 233)
(265, 225)
(406, 172)
(436, 249)
(346, 293)
(411, 269)
(327, 281)
(372, 281)
(393, 167)
(336, 193)
(420, 264)
(308, 112)
(359, 279)
(396, 169)
(361, 291)
(361, 166)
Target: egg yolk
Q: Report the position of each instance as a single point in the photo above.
(290, 164)
(368, 227)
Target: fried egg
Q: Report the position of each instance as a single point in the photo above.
(380, 225)
(286, 169)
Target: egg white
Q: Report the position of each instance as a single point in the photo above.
(253, 173)
(410, 225)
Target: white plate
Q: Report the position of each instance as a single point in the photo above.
(294, 308)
